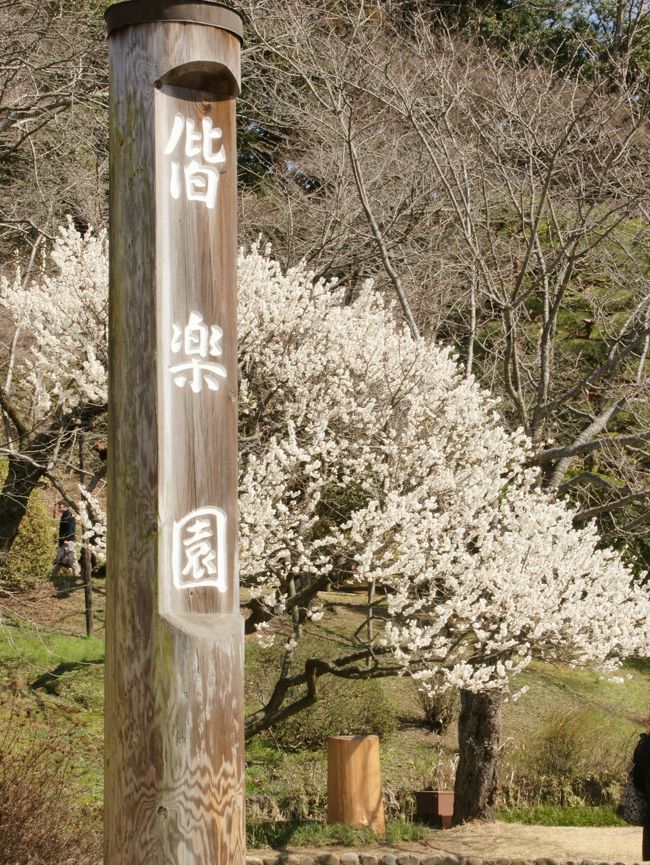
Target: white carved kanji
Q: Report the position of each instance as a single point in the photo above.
(200, 180)
(197, 342)
(199, 550)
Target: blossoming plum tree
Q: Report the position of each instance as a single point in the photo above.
(368, 459)
(57, 385)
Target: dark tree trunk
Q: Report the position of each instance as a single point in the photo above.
(87, 575)
(479, 730)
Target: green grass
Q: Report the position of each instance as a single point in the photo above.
(53, 687)
(553, 688)
(53, 684)
(551, 815)
(306, 833)
(31, 651)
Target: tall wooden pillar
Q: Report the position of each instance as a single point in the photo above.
(174, 654)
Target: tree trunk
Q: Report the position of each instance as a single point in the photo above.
(87, 574)
(479, 729)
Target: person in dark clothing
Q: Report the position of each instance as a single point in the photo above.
(67, 524)
(641, 778)
(66, 556)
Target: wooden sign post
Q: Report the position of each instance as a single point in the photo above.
(174, 654)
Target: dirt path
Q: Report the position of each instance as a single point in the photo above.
(507, 840)
(512, 841)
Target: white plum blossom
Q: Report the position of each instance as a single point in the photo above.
(57, 367)
(65, 312)
(93, 523)
(370, 458)
(263, 635)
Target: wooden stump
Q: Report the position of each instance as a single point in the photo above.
(354, 782)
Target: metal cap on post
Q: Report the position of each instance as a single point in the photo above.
(174, 634)
(131, 12)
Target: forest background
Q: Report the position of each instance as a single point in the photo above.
(486, 165)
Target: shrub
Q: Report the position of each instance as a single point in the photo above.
(283, 786)
(317, 834)
(32, 553)
(559, 747)
(346, 708)
(37, 825)
(439, 708)
(575, 759)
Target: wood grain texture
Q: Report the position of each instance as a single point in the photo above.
(174, 660)
(354, 782)
(197, 432)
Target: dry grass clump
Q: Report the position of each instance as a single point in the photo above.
(38, 824)
(573, 759)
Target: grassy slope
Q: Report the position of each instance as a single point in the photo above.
(52, 685)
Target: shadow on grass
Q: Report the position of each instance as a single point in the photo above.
(67, 583)
(410, 722)
(49, 681)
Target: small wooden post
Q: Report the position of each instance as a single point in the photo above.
(354, 782)
(174, 634)
(86, 564)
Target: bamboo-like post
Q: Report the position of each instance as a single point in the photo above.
(86, 564)
(354, 782)
(174, 634)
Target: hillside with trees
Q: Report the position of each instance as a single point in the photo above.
(456, 201)
(487, 166)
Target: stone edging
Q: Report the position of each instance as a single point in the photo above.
(351, 858)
